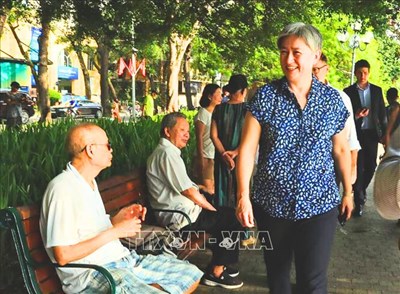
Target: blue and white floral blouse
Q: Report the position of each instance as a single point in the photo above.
(295, 174)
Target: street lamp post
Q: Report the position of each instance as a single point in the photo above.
(355, 41)
(134, 51)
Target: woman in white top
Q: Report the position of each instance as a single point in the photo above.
(204, 167)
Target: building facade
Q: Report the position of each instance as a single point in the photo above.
(64, 72)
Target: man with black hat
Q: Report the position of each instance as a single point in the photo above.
(14, 109)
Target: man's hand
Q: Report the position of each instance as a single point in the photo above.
(362, 112)
(130, 212)
(193, 194)
(128, 227)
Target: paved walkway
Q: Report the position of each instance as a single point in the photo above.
(365, 259)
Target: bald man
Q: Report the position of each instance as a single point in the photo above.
(75, 228)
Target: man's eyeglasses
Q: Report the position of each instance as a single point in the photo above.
(106, 144)
(317, 69)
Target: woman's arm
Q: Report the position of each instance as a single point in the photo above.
(245, 165)
(392, 119)
(214, 137)
(341, 154)
(219, 147)
(199, 129)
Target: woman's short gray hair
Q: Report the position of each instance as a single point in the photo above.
(307, 32)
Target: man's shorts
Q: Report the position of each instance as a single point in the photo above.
(134, 274)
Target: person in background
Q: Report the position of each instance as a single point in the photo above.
(171, 188)
(73, 109)
(75, 228)
(370, 118)
(115, 110)
(14, 108)
(225, 94)
(204, 166)
(387, 175)
(320, 70)
(226, 131)
(148, 104)
(391, 96)
(394, 118)
(298, 123)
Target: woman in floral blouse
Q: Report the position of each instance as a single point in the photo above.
(298, 123)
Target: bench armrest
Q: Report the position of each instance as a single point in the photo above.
(102, 270)
(175, 211)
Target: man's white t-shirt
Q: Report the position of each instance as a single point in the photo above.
(73, 212)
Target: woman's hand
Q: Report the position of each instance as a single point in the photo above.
(347, 205)
(227, 157)
(244, 212)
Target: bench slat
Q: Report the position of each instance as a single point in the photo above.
(45, 273)
(31, 225)
(29, 211)
(51, 285)
(115, 193)
(34, 241)
(39, 255)
(117, 180)
(122, 201)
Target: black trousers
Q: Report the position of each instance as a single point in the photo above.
(225, 229)
(308, 240)
(366, 164)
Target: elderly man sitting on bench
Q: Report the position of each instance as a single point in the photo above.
(171, 188)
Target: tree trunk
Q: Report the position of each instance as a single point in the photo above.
(163, 85)
(3, 19)
(104, 52)
(43, 83)
(112, 89)
(186, 67)
(177, 46)
(24, 53)
(109, 82)
(85, 72)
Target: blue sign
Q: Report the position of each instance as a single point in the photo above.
(34, 45)
(67, 73)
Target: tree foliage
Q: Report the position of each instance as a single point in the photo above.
(225, 36)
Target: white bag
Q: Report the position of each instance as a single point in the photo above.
(387, 188)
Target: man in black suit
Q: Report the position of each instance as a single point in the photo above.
(370, 118)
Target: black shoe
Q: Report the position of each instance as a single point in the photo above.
(358, 210)
(224, 281)
(232, 271)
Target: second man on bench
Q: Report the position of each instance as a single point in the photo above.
(171, 188)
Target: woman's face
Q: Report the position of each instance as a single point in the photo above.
(297, 59)
(216, 97)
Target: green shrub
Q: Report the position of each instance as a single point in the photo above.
(54, 96)
(30, 158)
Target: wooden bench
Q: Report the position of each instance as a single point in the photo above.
(37, 270)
